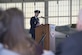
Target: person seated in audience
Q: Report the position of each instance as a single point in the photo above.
(15, 38)
(4, 51)
(72, 45)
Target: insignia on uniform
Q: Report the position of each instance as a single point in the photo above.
(35, 22)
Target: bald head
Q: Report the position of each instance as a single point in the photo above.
(80, 15)
(79, 23)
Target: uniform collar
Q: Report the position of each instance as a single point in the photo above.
(36, 17)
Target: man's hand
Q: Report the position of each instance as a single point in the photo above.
(38, 24)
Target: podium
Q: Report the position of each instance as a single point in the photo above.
(44, 33)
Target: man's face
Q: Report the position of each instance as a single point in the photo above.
(36, 14)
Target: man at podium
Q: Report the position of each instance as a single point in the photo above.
(34, 22)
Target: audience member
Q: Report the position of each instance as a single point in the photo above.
(4, 51)
(72, 45)
(15, 38)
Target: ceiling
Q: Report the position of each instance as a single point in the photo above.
(6, 1)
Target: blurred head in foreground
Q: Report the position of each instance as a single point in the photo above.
(15, 38)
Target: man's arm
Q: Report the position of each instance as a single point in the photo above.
(32, 24)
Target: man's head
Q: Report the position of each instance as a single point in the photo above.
(36, 13)
(79, 22)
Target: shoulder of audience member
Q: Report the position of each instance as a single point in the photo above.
(75, 34)
(73, 37)
(48, 53)
(4, 51)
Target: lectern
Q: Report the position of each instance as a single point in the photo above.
(47, 33)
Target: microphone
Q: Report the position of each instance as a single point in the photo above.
(42, 17)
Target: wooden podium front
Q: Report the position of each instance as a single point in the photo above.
(44, 30)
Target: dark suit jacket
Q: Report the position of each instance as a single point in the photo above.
(72, 45)
(33, 23)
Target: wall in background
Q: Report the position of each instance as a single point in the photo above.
(59, 13)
